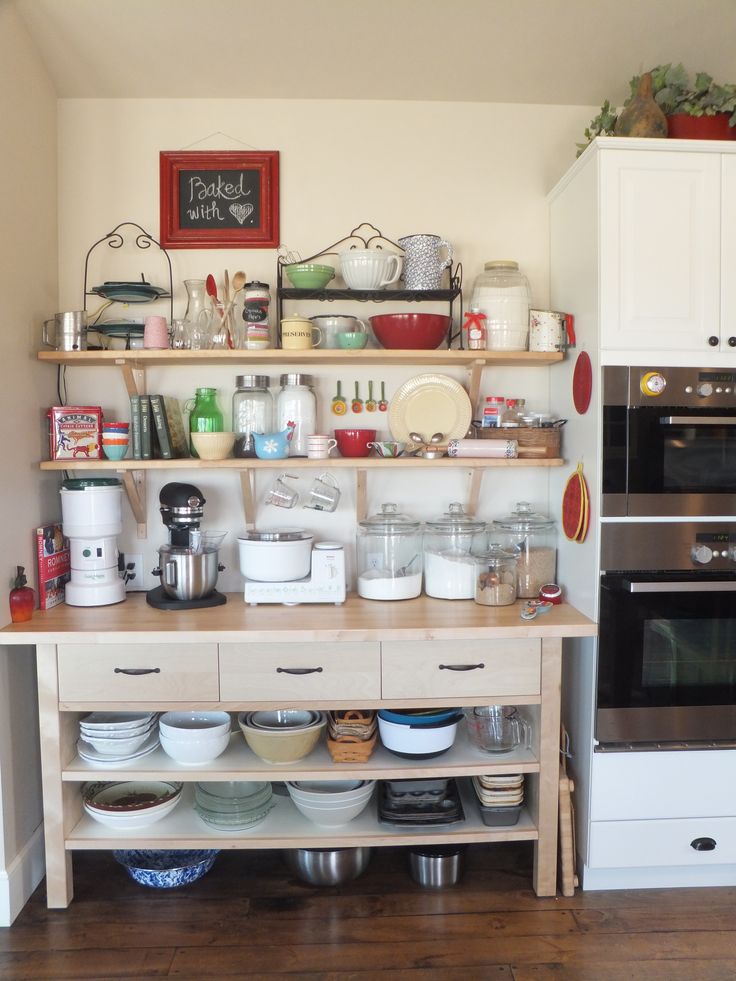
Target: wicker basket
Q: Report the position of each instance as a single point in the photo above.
(533, 440)
(349, 749)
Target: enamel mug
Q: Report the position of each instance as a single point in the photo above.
(299, 334)
(550, 330)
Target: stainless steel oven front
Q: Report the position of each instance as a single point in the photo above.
(669, 442)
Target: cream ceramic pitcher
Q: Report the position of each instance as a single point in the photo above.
(423, 261)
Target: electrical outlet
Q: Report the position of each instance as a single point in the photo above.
(131, 567)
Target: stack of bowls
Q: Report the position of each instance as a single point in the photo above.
(233, 805)
(130, 805)
(309, 275)
(193, 738)
(166, 869)
(115, 439)
(331, 803)
(418, 734)
(283, 735)
(116, 737)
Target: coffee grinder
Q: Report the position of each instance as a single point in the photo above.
(188, 565)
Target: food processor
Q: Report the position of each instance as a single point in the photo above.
(91, 515)
(188, 565)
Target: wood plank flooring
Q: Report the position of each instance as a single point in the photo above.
(250, 918)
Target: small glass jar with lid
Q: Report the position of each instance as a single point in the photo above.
(503, 294)
(252, 412)
(513, 414)
(535, 536)
(296, 403)
(389, 555)
(452, 543)
(495, 584)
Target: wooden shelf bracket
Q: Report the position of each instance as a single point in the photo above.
(134, 482)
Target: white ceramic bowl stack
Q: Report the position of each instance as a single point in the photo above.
(132, 804)
(117, 737)
(331, 803)
(235, 805)
(194, 738)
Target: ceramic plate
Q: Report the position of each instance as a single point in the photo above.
(90, 754)
(129, 292)
(429, 404)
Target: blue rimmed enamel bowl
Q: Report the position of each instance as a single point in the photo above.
(166, 869)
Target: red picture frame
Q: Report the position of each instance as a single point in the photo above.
(219, 199)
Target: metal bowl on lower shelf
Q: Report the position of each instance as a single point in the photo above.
(326, 866)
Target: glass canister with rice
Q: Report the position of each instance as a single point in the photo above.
(534, 535)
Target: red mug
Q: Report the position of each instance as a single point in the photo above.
(354, 442)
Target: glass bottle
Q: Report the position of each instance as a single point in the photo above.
(452, 543)
(389, 556)
(534, 535)
(198, 315)
(503, 294)
(205, 415)
(252, 411)
(497, 575)
(296, 403)
(513, 414)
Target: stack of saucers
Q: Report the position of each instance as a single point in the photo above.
(500, 798)
(117, 737)
(233, 805)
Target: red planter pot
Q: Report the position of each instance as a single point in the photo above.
(680, 126)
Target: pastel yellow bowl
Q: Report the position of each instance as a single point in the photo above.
(213, 446)
(282, 745)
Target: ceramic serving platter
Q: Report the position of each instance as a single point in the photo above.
(429, 404)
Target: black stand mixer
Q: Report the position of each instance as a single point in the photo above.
(188, 566)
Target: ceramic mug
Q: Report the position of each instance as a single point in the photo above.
(319, 446)
(324, 493)
(299, 334)
(369, 269)
(355, 442)
(550, 330)
(338, 323)
(280, 494)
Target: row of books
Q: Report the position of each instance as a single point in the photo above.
(157, 428)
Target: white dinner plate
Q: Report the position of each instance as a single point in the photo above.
(429, 404)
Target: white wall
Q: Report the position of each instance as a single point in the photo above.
(28, 293)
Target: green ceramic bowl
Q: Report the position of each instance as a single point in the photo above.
(309, 275)
(352, 339)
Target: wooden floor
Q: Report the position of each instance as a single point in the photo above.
(249, 918)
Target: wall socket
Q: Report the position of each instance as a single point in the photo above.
(131, 567)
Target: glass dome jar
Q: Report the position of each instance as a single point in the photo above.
(503, 294)
(452, 543)
(495, 584)
(389, 555)
(252, 412)
(296, 403)
(535, 536)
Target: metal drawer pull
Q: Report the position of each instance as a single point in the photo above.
(703, 844)
(298, 670)
(137, 670)
(461, 667)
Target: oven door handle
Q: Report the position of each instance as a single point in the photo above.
(722, 586)
(698, 420)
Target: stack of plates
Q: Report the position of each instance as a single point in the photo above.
(420, 803)
(130, 805)
(117, 737)
(233, 805)
(500, 798)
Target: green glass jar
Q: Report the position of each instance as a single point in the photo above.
(205, 415)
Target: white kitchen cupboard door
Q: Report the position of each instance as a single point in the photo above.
(728, 253)
(660, 250)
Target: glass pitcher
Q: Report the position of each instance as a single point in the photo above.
(205, 415)
(198, 315)
(498, 728)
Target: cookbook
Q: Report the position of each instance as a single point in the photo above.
(53, 561)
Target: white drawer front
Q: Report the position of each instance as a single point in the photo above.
(138, 672)
(649, 844)
(640, 786)
(288, 672)
(462, 669)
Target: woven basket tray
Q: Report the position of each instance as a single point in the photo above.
(547, 440)
(348, 751)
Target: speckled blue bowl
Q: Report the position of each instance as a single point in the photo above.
(166, 869)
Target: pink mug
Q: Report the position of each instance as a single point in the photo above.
(354, 442)
(155, 333)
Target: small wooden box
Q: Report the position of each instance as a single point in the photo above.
(533, 440)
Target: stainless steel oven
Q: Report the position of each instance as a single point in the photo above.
(669, 442)
(667, 635)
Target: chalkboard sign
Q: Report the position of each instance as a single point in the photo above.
(219, 200)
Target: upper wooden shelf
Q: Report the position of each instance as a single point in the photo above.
(441, 358)
(301, 463)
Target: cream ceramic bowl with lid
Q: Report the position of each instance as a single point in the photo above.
(275, 554)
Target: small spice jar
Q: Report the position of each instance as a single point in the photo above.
(495, 584)
(535, 536)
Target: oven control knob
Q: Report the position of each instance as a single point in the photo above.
(701, 554)
(704, 390)
(653, 383)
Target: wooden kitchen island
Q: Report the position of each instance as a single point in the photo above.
(364, 654)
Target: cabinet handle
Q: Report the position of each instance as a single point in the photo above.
(713, 340)
(137, 671)
(703, 844)
(732, 341)
(298, 670)
(461, 667)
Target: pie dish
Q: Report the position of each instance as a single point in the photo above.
(429, 404)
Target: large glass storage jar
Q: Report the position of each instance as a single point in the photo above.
(296, 403)
(389, 556)
(503, 294)
(497, 575)
(252, 412)
(535, 536)
(452, 543)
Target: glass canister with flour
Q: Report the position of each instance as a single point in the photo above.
(389, 556)
(535, 536)
(503, 294)
(452, 545)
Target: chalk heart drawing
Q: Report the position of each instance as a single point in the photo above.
(241, 211)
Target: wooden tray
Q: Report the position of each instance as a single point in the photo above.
(351, 750)
(545, 442)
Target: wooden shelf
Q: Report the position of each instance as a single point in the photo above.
(301, 463)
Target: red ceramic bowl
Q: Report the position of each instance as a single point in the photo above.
(410, 331)
(354, 442)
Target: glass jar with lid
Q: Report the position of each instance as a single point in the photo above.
(452, 543)
(513, 414)
(296, 403)
(495, 584)
(252, 411)
(503, 294)
(389, 555)
(535, 536)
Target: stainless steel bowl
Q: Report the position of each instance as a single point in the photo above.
(186, 574)
(327, 866)
(436, 866)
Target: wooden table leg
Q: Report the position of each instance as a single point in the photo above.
(545, 851)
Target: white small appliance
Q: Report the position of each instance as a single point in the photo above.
(91, 515)
(306, 573)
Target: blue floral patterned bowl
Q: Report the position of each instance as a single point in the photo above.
(166, 869)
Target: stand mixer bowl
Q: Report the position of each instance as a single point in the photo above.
(186, 574)
(276, 555)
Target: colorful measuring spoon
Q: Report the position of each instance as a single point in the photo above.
(357, 403)
(339, 405)
(370, 405)
(383, 404)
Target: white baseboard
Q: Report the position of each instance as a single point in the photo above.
(20, 878)
(681, 877)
